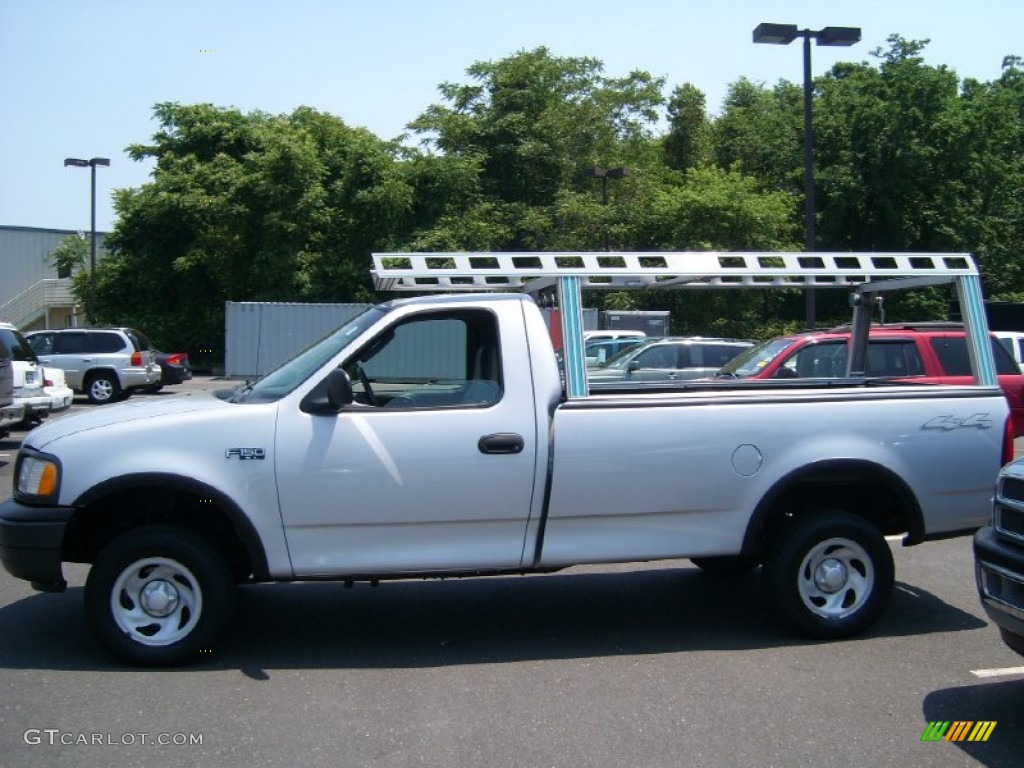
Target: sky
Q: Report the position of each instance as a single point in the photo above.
(79, 78)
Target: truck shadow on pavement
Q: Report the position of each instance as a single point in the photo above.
(468, 621)
(999, 702)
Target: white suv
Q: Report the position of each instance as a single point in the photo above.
(105, 364)
(10, 412)
(28, 376)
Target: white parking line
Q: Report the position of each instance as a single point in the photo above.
(1003, 672)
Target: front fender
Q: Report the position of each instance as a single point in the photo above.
(150, 481)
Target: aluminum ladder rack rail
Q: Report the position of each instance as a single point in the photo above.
(570, 272)
(534, 271)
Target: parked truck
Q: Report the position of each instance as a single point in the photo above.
(435, 436)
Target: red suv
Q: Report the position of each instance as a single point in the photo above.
(932, 353)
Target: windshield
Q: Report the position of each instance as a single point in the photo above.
(20, 349)
(284, 379)
(753, 360)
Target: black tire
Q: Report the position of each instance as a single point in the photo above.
(186, 583)
(102, 388)
(829, 574)
(727, 565)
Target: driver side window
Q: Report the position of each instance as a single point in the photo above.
(437, 359)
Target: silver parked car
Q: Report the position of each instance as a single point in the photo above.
(105, 364)
(669, 359)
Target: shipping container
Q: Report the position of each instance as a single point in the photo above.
(259, 336)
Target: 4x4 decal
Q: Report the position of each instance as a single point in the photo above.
(975, 420)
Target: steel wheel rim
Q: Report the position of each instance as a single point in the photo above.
(101, 389)
(836, 578)
(156, 601)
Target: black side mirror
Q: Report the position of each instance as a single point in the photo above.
(330, 395)
(634, 365)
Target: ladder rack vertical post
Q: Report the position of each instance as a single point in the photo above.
(570, 303)
(972, 310)
(856, 358)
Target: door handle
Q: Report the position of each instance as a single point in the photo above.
(503, 442)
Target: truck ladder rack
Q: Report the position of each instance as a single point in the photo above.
(571, 272)
(677, 269)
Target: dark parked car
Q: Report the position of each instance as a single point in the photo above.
(999, 558)
(174, 369)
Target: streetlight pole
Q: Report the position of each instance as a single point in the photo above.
(91, 164)
(604, 174)
(784, 34)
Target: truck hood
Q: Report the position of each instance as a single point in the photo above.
(120, 413)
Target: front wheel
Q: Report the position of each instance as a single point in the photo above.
(829, 574)
(158, 596)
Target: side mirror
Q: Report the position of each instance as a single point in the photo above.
(330, 395)
(634, 365)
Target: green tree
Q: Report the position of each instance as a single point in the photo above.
(70, 258)
(246, 207)
(760, 134)
(890, 151)
(688, 141)
(70, 255)
(531, 123)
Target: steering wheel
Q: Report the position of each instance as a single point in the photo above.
(365, 381)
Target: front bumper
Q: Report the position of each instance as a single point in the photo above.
(999, 572)
(11, 415)
(30, 543)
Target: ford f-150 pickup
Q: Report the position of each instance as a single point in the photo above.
(434, 436)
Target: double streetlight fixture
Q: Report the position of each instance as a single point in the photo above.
(784, 34)
(604, 174)
(91, 164)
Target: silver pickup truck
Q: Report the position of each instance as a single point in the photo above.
(434, 436)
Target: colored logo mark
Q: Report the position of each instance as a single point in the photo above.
(958, 730)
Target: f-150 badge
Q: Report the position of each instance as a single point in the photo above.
(246, 453)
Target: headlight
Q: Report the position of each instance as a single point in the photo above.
(38, 476)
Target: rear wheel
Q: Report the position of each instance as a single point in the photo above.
(102, 388)
(829, 574)
(158, 596)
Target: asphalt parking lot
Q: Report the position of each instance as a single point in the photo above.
(620, 665)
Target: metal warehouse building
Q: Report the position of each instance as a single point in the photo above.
(32, 294)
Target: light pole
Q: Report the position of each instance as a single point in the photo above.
(604, 174)
(91, 164)
(784, 34)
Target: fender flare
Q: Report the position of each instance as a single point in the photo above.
(882, 474)
(237, 518)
